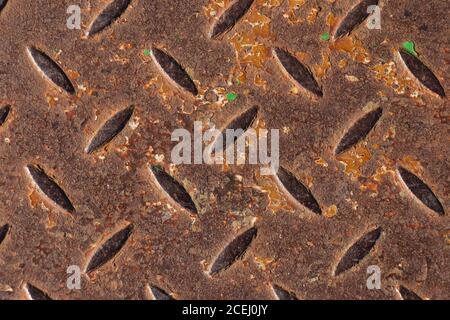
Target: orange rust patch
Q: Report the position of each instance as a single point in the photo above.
(241, 76)
(331, 21)
(263, 263)
(52, 100)
(269, 3)
(260, 24)
(321, 70)
(37, 199)
(34, 198)
(51, 221)
(412, 164)
(331, 211)
(304, 57)
(374, 181)
(397, 80)
(126, 46)
(260, 82)
(312, 16)
(250, 42)
(353, 47)
(387, 72)
(225, 167)
(370, 186)
(160, 87)
(309, 181)
(354, 159)
(72, 74)
(383, 170)
(342, 63)
(390, 134)
(215, 8)
(248, 46)
(292, 11)
(277, 201)
(321, 162)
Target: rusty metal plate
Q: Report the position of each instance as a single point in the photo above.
(88, 188)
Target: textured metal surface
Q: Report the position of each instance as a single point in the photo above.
(86, 119)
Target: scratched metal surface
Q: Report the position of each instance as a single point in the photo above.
(79, 141)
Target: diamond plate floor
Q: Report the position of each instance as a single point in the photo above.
(85, 144)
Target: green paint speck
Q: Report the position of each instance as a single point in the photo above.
(147, 52)
(238, 82)
(231, 96)
(410, 48)
(325, 36)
